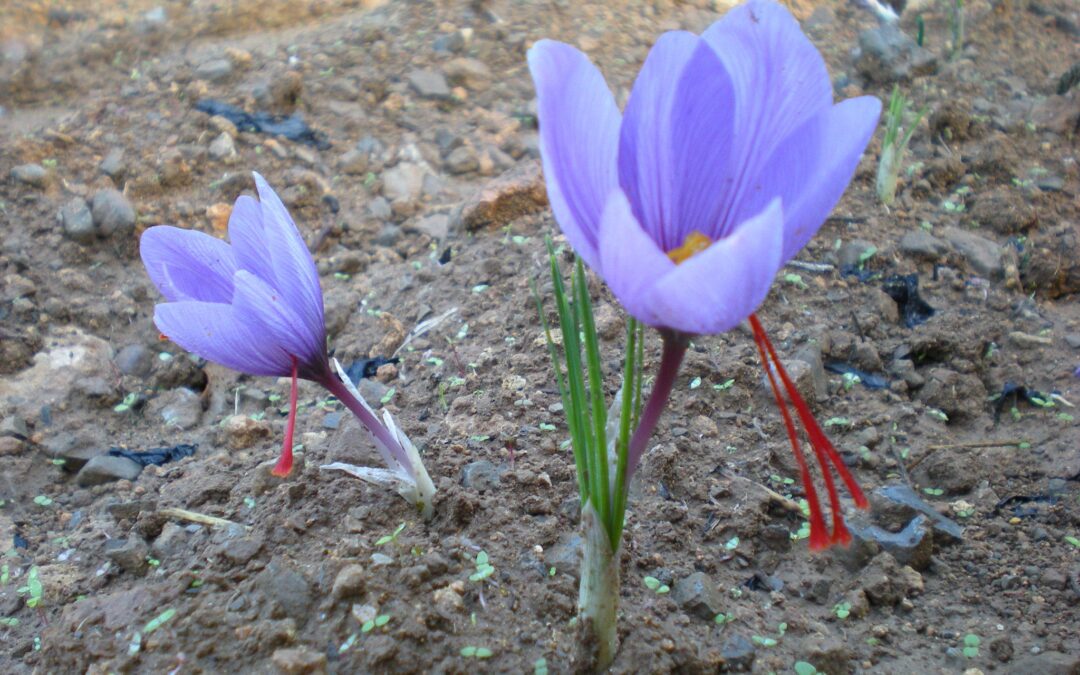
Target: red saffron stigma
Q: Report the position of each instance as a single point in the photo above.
(824, 451)
(284, 464)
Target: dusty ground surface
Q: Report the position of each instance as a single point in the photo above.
(422, 104)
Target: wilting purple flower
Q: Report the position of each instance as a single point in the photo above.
(727, 160)
(255, 305)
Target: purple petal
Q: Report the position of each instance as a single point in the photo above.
(256, 303)
(188, 265)
(579, 134)
(297, 277)
(779, 76)
(811, 169)
(648, 159)
(212, 331)
(248, 239)
(779, 82)
(630, 261)
(713, 291)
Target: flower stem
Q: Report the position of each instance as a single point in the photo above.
(389, 448)
(675, 345)
(598, 593)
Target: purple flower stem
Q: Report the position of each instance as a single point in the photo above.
(384, 441)
(675, 345)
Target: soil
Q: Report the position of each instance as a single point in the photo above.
(428, 199)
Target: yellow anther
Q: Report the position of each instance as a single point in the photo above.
(694, 243)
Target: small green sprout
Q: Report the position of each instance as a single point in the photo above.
(345, 646)
(341, 276)
(59, 461)
(866, 255)
(842, 610)
(127, 403)
(804, 668)
(463, 332)
(837, 422)
(1069, 539)
(971, 645)
(483, 568)
(42, 500)
(763, 641)
(695, 383)
(725, 385)
(33, 588)
(894, 146)
(933, 491)
(9, 621)
(653, 584)
(721, 618)
(378, 622)
(390, 538)
(937, 414)
(731, 544)
(540, 666)
(795, 280)
(480, 288)
(136, 644)
(471, 652)
(159, 621)
(386, 398)
(850, 380)
(249, 502)
(153, 562)
(545, 426)
(552, 571)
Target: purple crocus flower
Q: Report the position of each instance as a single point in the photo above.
(727, 160)
(255, 305)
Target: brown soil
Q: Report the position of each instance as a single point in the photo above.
(286, 587)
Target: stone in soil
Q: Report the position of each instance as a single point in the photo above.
(697, 595)
(887, 55)
(112, 213)
(469, 73)
(113, 165)
(299, 661)
(130, 554)
(214, 70)
(179, 408)
(565, 555)
(738, 652)
(894, 506)
(429, 84)
(286, 589)
(105, 469)
(134, 359)
(77, 221)
(33, 175)
(241, 432)
(350, 582)
(922, 245)
(911, 546)
(517, 193)
(480, 475)
(983, 255)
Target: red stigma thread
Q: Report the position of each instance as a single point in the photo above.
(284, 464)
(824, 451)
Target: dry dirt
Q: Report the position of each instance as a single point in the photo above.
(428, 113)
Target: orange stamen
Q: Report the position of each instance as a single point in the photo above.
(694, 243)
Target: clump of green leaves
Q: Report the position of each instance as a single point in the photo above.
(378, 622)
(484, 569)
(391, 538)
(971, 645)
(128, 402)
(895, 144)
(842, 610)
(32, 588)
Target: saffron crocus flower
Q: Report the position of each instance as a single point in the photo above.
(727, 160)
(255, 305)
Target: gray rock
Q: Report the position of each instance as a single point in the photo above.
(222, 147)
(462, 160)
(436, 226)
(350, 582)
(286, 589)
(404, 182)
(372, 390)
(379, 208)
(105, 469)
(112, 213)
(469, 73)
(172, 542)
(114, 165)
(13, 426)
(240, 550)
(920, 244)
(214, 70)
(134, 359)
(480, 475)
(354, 162)
(449, 43)
(77, 221)
(31, 174)
(983, 255)
(180, 408)
(370, 146)
(388, 235)
(1046, 663)
(565, 554)
(738, 652)
(130, 554)
(429, 84)
(1073, 340)
(887, 54)
(697, 595)
(851, 252)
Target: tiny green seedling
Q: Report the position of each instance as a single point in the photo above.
(159, 621)
(695, 383)
(837, 422)
(804, 668)
(850, 380)
(388, 396)
(483, 568)
(842, 610)
(938, 414)
(545, 426)
(731, 544)
(33, 588)
(653, 584)
(725, 385)
(42, 500)
(763, 641)
(349, 642)
(378, 622)
(540, 666)
(795, 280)
(1073, 541)
(472, 652)
(933, 491)
(971, 645)
(391, 538)
(721, 618)
(9, 622)
(127, 403)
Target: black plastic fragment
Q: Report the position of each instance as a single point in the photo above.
(446, 255)
(869, 380)
(1016, 393)
(292, 127)
(155, 456)
(19, 541)
(365, 368)
(904, 289)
